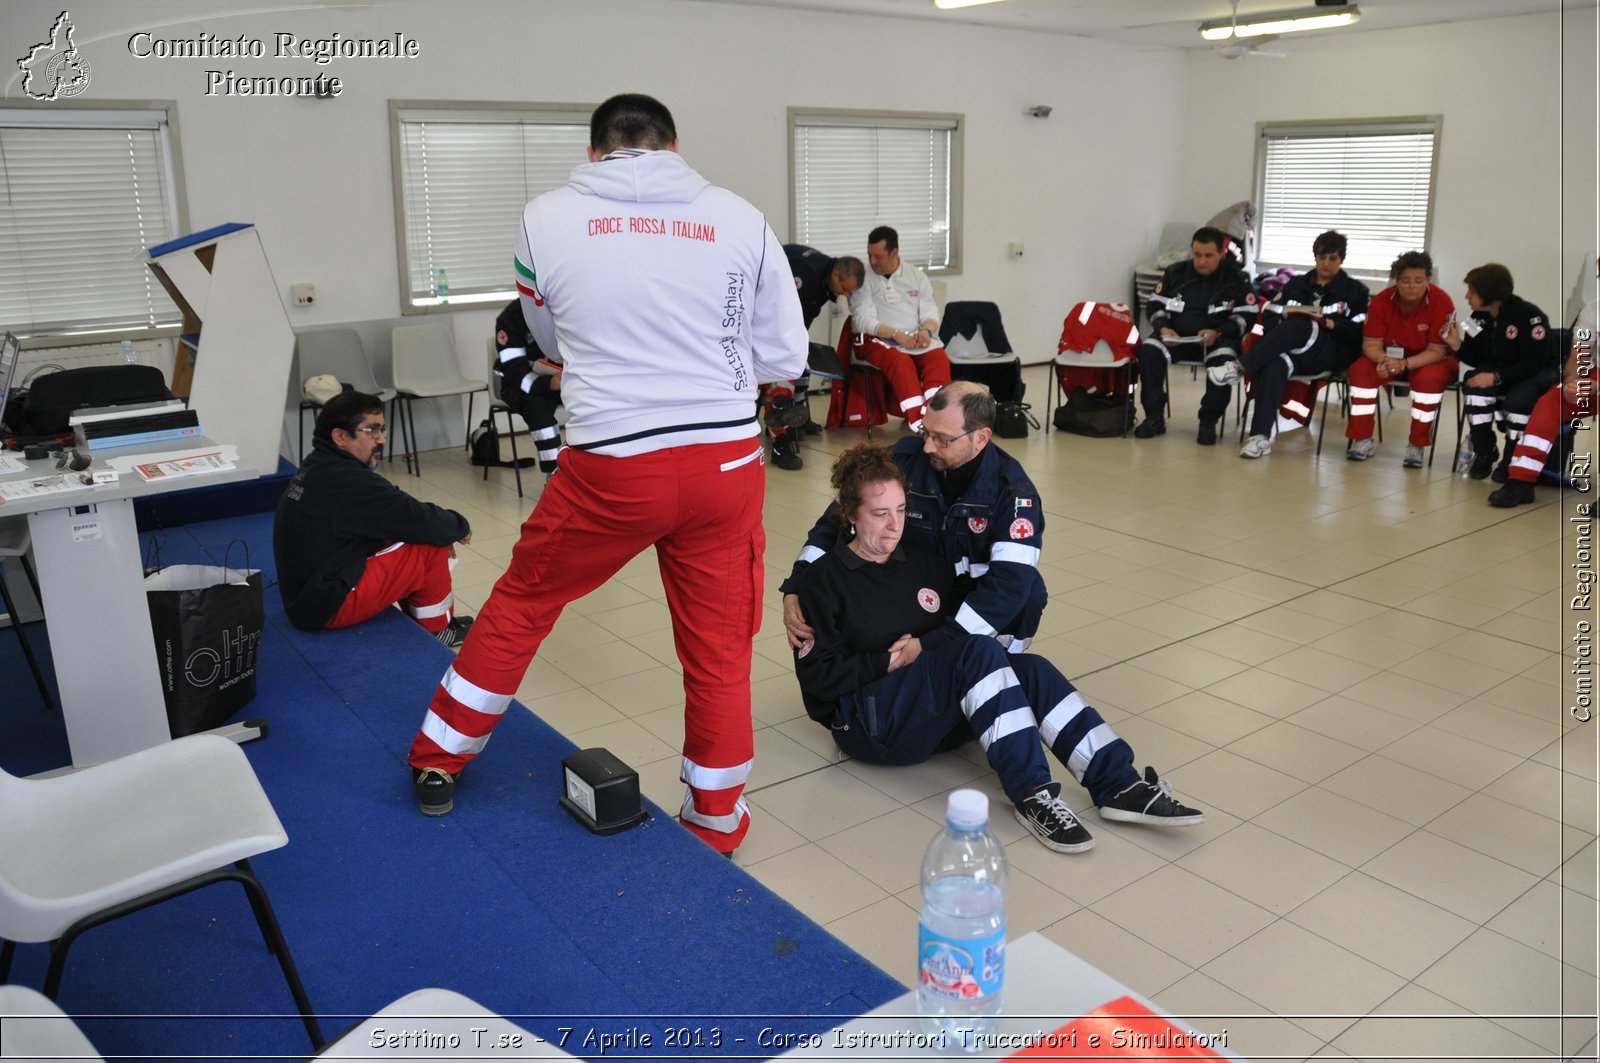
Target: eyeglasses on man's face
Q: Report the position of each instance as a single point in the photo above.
(940, 441)
(373, 430)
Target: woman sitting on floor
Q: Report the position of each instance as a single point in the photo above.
(896, 679)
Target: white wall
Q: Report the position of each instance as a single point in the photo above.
(315, 175)
(1514, 92)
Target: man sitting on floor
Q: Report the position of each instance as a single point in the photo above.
(349, 543)
(896, 322)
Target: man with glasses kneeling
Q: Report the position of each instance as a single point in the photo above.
(972, 503)
(349, 544)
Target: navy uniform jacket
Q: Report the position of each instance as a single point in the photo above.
(1186, 302)
(519, 354)
(1343, 300)
(811, 269)
(992, 535)
(1518, 344)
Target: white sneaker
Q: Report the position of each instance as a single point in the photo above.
(1413, 458)
(1256, 447)
(1361, 449)
(1224, 374)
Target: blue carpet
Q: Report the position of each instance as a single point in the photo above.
(508, 900)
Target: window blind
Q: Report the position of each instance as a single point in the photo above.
(850, 176)
(1373, 184)
(464, 180)
(82, 195)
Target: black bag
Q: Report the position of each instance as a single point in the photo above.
(485, 443)
(207, 622)
(1012, 420)
(54, 397)
(1088, 413)
(1003, 378)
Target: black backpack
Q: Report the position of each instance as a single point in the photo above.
(1089, 413)
(485, 442)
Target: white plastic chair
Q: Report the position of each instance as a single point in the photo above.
(1093, 359)
(339, 353)
(82, 849)
(36, 1029)
(425, 367)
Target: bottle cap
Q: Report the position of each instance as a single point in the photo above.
(967, 809)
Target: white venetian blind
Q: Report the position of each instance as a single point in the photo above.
(1373, 183)
(464, 179)
(82, 195)
(853, 174)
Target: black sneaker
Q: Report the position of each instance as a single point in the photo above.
(1482, 464)
(1150, 800)
(812, 428)
(1514, 493)
(1150, 427)
(455, 632)
(1502, 472)
(1207, 436)
(436, 790)
(1051, 820)
(786, 452)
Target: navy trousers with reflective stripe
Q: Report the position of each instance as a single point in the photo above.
(975, 687)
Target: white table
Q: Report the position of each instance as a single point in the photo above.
(86, 546)
(1046, 988)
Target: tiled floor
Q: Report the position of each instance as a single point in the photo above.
(1356, 670)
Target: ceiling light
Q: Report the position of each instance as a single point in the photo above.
(946, 5)
(1308, 18)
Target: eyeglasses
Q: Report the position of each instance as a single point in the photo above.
(942, 442)
(371, 430)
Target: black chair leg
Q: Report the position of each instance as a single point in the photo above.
(270, 930)
(22, 638)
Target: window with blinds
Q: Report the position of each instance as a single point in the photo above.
(83, 193)
(853, 170)
(463, 173)
(1372, 181)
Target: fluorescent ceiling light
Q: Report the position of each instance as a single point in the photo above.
(946, 5)
(1274, 22)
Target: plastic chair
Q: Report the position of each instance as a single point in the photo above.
(498, 405)
(14, 542)
(1330, 379)
(854, 371)
(82, 849)
(425, 368)
(1091, 360)
(35, 1028)
(337, 352)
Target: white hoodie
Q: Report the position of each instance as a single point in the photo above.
(667, 298)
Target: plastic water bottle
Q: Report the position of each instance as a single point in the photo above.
(961, 940)
(127, 352)
(441, 286)
(1464, 456)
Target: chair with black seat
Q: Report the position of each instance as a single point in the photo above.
(498, 405)
(14, 542)
(337, 352)
(106, 841)
(975, 341)
(425, 367)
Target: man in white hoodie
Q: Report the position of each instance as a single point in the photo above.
(896, 322)
(667, 300)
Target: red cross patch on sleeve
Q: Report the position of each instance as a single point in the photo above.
(1022, 528)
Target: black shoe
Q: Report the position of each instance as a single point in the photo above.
(436, 791)
(1515, 493)
(786, 452)
(1150, 800)
(1149, 427)
(1502, 472)
(455, 632)
(1050, 820)
(1207, 436)
(811, 428)
(784, 412)
(1482, 463)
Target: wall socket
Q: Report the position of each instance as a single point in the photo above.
(303, 294)
(1014, 250)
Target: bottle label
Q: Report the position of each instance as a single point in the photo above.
(969, 969)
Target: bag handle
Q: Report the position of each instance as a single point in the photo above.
(152, 556)
(227, 556)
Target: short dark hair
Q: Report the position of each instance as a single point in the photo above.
(1330, 242)
(1207, 234)
(631, 120)
(1411, 260)
(1491, 281)
(849, 267)
(862, 464)
(977, 403)
(345, 410)
(885, 236)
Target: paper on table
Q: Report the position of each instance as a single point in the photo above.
(11, 464)
(172, 464)
(47, 484)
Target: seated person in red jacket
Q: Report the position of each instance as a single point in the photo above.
(1565, 404)
(895, 678)
(349, 544)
